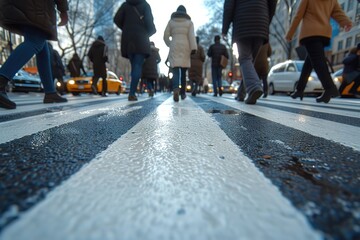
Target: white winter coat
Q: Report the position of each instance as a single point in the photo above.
(179, 36)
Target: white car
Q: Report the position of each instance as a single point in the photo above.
(283, 77)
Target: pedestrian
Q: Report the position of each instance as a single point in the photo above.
(215, 51)
(250, 32)
(75, 65)
(135, 19)
(315, 35)
(150, 69)
(179, 36)
(57, 68)
(196, 69)
(261, 65)
(350, 63)
(22, 19)
(98, 55)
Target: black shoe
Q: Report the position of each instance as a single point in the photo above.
(215, 95)
(5, 102)
(132, 98)
(297, 94)
(265, 95)
(327, 95)
(183, 96)
(104, 95)
(193, 94)
(53, 98)
(253, 96)
(220, 92)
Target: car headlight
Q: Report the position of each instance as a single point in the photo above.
(71, 82)
(336, 79)
(58, 84)
(311, 78)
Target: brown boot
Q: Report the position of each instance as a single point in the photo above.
(53, 98)
(176, 94)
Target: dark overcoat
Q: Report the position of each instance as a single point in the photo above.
(135, 19)
(39, 14)
(98, 56)
(150, 66)
(197, 62)
(249, 18)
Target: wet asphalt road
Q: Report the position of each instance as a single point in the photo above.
(320, 177)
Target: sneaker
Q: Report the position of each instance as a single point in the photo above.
(253, 96)
(5, 102)
(53, 98)
(176, 95)
(132, 98)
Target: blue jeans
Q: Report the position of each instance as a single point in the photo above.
(34, 43)
(216, 78)
(179, 74)
(136, 61)
(248, 49)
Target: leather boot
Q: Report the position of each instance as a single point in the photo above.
(5, 102)
(53, 98)
(327, 95)
(297, 94)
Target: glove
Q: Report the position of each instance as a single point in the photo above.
(193, 52)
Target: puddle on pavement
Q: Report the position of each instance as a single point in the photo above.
(226, 112)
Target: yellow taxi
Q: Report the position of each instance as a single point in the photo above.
(337, 77)
(77, 85)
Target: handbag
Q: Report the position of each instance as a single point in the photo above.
(223, 61)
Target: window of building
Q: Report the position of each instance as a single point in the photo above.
(348, 42)
(340, 45)
(350, 5)
(357, 39)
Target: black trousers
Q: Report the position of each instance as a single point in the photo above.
(316, 60)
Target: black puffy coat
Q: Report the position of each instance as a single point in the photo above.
(40, 14)
(250, 18)
(215, 51)
(98, 56)
(135, 19)
(150, 68)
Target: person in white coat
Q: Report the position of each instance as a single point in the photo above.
(179, 36)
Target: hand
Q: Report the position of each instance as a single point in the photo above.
(193, 52)
(348, 27)
(64, 18)
(224, 36)
(288, 38)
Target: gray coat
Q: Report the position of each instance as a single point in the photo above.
(39, 14)
(249, 18)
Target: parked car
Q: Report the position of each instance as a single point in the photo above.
(82, 84)
(25, 82)
(226, 87)
(236, 84)
(284, 77)
(338, 79)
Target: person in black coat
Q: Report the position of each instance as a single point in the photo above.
(215, 51)
(150, 69)
(57, 68)
(250, 32)
(98, 56)
(37, 27)
(135, 19)
(75, 65)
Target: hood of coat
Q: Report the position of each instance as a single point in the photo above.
(180, 15)
(98, 43)
(135, 2)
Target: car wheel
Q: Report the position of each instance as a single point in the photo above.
(271, 89)
(118, 91)
(75, 94)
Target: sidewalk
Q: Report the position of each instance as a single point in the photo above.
(175, 175)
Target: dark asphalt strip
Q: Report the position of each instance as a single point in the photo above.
(320, 177)
(353, 121)
(32, 166)
(48, 108)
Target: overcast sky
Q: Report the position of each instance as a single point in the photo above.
(162, 10)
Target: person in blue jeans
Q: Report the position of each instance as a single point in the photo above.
(22, 19)
(214, 52)
(135, 19)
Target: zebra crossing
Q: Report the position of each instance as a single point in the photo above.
(203, 168)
